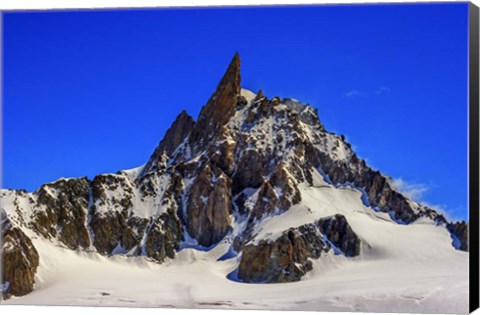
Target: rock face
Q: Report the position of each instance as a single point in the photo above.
(115, 226)
(174, 136)
(286, 259)
(220, 108)
(19, 260)
(340, 234)
(164, 237)
(209, 206)
(108, 229)
(133, 234)
(108, 226)
(459, 231)
(378, 190)
(61, 210)
(248, 168)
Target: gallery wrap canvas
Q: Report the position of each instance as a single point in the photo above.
(303, 157)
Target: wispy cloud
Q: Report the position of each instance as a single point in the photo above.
(383, 89)
(359, 93)
(355, 93)
(450, 214)
(414, 191)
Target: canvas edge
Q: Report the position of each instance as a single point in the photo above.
(474, 155)
(1, 140)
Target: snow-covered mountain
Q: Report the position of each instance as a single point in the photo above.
(255, 191)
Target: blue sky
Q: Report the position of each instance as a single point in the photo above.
(93, 92)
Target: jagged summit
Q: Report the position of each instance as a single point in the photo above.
(232, 75)
(257, 180)
(221, 106)
(215, 114)
(180, 129)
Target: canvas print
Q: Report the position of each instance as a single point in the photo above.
(282, 158)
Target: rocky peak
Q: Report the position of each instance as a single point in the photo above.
(220, 107)
(259, 96)
(175, 135)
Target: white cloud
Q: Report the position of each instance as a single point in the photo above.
(354, 93)
(448, 213)
(383, 89)
(357, 93)
(414, 191)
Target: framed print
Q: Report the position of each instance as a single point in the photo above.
(276, 157)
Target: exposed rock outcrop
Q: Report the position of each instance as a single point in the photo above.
(61, 211)
(209, 206)
(338, 232)
(289, 194)
(222, 155)
(133, 234)
(175, 135)
(286, 259)
(354, 171)
(19, 260)
(248, 173)
(108, 229)
(112, 192)
(219, 109)
(164, 237)
(459, 232)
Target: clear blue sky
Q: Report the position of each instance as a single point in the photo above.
(94, 92)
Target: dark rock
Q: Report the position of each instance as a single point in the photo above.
(66, 207)
(164, 237)
(460, 234)
(433, 215)
(134, 232)
(266, 202)
(265, 108)
(175, 188)
(286, 259)
(241, 101)
(290, 195)
(19, 260)
(310, 117)
(108, 229)
(175, 135)
(112, 182)
(337, 230)
(355, 171)
(219, 109)
(209, 206)
(44, 223)
(259, 96)
(249, 171)
(223, 156)
(252, 116)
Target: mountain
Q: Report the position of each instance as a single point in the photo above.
(254, 183)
